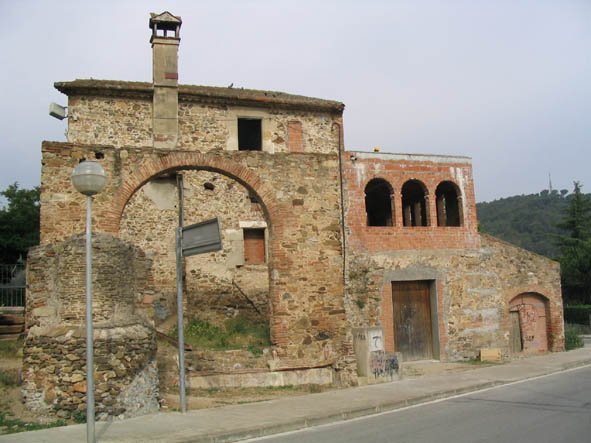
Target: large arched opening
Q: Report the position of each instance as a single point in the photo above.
(449, 204)
(378, 203)
(231, 284)
(414, 204)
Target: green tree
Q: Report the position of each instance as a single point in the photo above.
(19, 222)
(575, 248)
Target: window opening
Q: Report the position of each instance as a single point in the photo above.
(254, 246)
(448, 204)
(249, 134)
(414, 204)
(378, 203)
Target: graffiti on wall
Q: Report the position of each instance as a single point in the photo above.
(383, 364)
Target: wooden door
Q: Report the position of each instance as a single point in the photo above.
(412, 319)
(515, 335)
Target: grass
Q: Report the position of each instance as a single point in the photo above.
(236, 333)
(10, 425)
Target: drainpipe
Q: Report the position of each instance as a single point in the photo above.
(343, 233)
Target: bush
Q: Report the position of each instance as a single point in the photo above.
(572, 340)
(577, 314)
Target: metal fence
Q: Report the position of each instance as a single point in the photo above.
(12, 285)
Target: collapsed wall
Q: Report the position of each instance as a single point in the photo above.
(54, 362)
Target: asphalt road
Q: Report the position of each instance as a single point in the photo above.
(554, 409)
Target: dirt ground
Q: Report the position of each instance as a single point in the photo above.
(11, 401)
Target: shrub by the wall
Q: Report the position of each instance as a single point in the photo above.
(572, 339)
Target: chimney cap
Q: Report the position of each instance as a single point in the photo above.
(165, 20)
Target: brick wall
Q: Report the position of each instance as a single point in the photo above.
(397, 169)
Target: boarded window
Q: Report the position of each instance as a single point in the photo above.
(249, 134)
(448, 204)
(295, 136)
(378, 203)
(254, 246)
(414, 204)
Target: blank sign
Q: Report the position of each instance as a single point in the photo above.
(202, 237)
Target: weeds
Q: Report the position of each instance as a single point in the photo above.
(9, 378)
(10, 348)
(14, 425)
(237, 333)
(79, 416)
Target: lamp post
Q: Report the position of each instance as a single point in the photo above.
(89, 178)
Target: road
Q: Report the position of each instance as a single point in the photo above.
(555, 408)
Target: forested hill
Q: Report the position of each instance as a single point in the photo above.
(526, 220)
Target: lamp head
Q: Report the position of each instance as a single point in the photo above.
(89, 178)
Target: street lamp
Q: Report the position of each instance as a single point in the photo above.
(89, 178)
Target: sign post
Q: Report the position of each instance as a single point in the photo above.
(191, 240)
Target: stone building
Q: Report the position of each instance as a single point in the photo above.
(319, 242)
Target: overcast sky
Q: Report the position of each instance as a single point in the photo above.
(507, 83)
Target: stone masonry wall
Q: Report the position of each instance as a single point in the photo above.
(127, 122)
(56, 283)
(299, 195)
(126, 377)
(474, 288)
(110, 120)
(54, 351)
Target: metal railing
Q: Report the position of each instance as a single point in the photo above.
(12, 285)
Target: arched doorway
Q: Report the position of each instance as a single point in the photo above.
(529, 323)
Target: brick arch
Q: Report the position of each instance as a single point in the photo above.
(278, 261)
(195, 160)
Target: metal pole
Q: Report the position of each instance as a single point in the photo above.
(180, 327)
(89, 329)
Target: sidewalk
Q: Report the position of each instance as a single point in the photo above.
(238, 422)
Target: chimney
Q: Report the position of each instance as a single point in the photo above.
(165, 78)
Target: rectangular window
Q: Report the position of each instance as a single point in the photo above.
(250, 137)
(254, 246)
